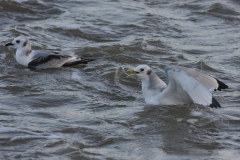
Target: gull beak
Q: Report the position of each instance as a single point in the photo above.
(9, 44)
(132, 70)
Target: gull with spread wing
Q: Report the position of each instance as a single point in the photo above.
(183, 86)
(42, 59)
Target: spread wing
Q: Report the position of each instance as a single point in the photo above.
(209, 82)
(183, 87)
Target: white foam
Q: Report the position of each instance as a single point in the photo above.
(179, 119)
(9, 130)
(20, 1)
(29, 134)
(196, 114)
(75, 76)
(35, 137)
(192, 121)
(234, 118)
(72, 26)
(3, 56)
(104, 29)
(107, 30)
(139, 126)
(229, 142)
(232, 143)
(90, 25)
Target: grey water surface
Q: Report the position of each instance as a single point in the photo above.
(95, 111)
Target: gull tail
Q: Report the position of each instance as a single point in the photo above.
(77, 61)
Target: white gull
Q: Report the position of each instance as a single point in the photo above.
(183, 86)
(42, 59)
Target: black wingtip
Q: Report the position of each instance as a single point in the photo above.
(82, 61)
(215, 103)
(221, 85)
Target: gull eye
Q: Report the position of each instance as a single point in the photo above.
(141, 70)
(17, 41)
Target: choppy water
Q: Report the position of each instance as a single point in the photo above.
(96, 112)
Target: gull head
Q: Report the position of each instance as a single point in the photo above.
(142, 72)
(20, 42)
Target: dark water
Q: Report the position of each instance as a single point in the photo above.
(96, 112)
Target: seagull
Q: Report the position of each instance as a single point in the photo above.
(183, 86)
(42, 59)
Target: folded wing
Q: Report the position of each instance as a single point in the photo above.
(47, 59)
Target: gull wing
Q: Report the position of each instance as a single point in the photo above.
(47, 59)
(43, 59)
(183, 87)
(209, 82)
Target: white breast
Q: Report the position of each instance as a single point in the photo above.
(22, 58)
